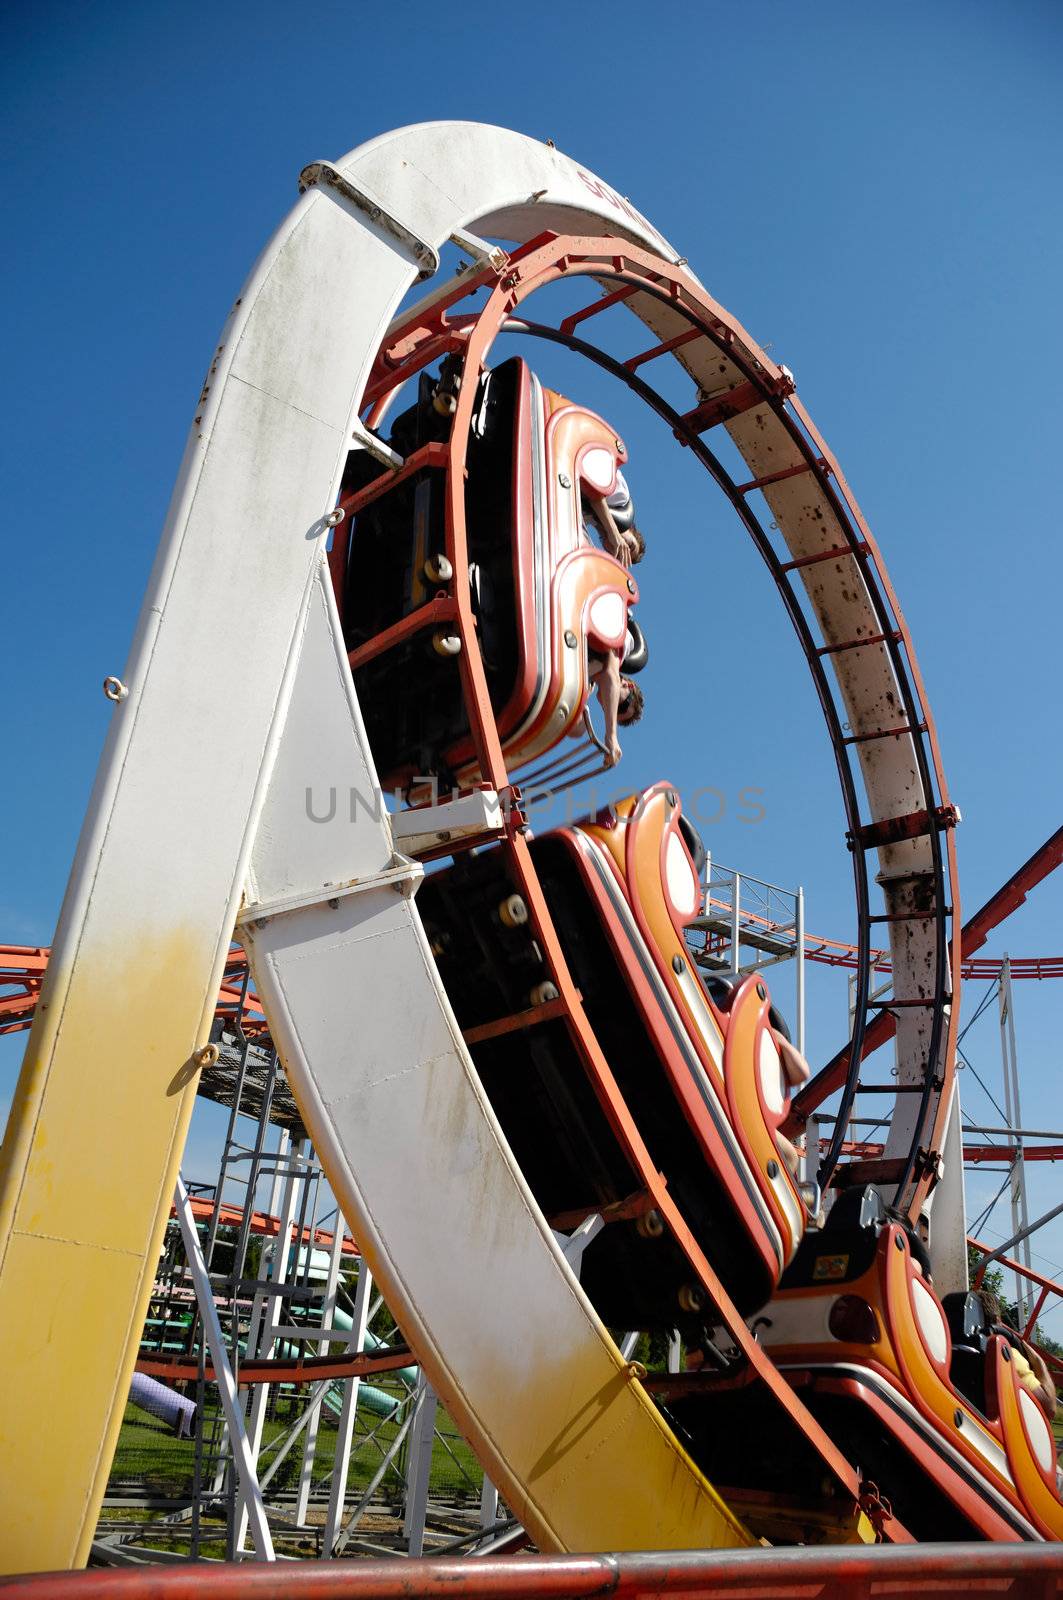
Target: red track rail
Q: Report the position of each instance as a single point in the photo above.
(836, 953)
(22, 967)
(266, 1225)
(545, 261)
(973, 1154)
(839, 1572)
(294, 1369)
(996, 910)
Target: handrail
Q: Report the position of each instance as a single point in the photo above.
(836, 1572)
(1047, 1286)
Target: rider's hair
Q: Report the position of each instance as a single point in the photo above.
(991, 1305)
(631, 705)
(640, 545)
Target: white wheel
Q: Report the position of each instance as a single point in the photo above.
(437, 569)
(543, 993)
(512, 912)
(446, 644)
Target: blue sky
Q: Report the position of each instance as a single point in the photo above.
(873, 190)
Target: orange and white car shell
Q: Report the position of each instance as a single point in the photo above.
(731, 1070)
(882, 1339)
(572, 596)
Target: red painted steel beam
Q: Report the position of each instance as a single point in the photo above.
(1007, 1152)
(975, 933)
(1011, 895)
(974, 1154)
(836, 953)
(294, 1369)
(838, 1572)
(264, 1224)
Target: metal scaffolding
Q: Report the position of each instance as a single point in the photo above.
(748, 925)
(259, 1269)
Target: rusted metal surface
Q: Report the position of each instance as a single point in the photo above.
(845, 1571)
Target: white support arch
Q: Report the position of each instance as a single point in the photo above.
(178, 850)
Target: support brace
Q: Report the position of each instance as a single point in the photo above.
(403, 875)
(324, 173)
(376, 447)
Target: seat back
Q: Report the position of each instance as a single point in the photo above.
(966, 1317)
(844, 1247)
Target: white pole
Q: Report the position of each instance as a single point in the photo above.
(1018, 1171)
(1012, 1117)
(488, 1504)
(800, 934)
(419, 1467)
(327, 1313)
(245, 1465)
(345, 1432)
(736, 938)
(278, 1275)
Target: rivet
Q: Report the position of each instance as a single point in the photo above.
(957, 1417)
(773, 1169)
(898, 1240)
(570, 639)
(619, 443)
(678, 964)
(762, 993)
(1006, 1352)
(564, 480)
(631, 586)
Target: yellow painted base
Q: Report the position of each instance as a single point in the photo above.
(87, 1171)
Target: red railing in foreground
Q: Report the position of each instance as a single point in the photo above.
(1031, 1571)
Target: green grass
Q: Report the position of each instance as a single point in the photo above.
(150, 1461)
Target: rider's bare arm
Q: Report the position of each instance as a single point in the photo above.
(616, 542)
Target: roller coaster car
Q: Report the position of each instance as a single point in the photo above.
(542, 594)
(707, 1080)
(922, 1394)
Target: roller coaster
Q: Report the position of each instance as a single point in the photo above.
(433, 604)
